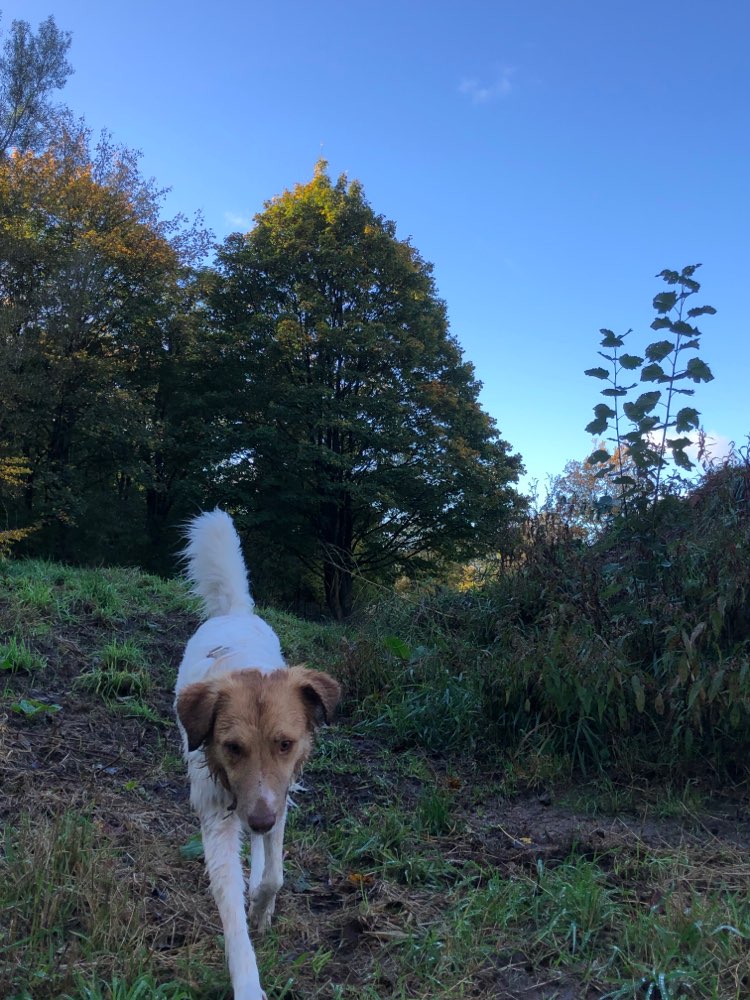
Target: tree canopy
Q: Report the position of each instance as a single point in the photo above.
(32, 66)
(359, 445)
(89, 286)
(583, 494)
(306, 379)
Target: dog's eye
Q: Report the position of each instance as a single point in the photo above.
(285, 746)
(233, 749)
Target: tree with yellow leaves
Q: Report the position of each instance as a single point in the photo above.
(89, 280)
(584, 497)
(12, 474)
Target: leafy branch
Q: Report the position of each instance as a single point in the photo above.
(651, 414)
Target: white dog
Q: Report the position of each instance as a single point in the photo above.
(246, 721)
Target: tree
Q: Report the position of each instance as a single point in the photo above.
(583, 495)
(12, 474)
(32, 66)
(89, 301)
(358, 445)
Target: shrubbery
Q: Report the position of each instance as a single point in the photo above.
(643, 635)
(626, 644)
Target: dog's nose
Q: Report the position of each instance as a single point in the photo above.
(261, 819)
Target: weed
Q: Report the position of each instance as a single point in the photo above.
(144, 987)
(16, 657)
(435, 811)
(120, 672)
(31, 708)
(133, 707)
(61, 894)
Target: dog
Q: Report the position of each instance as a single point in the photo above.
(247, 723)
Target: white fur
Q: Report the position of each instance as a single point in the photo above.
(215, 565)
(232, 638)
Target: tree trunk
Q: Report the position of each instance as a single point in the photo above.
(338, 557)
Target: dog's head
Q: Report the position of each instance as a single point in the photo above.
(256, 731)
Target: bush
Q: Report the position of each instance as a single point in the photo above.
(642, 636)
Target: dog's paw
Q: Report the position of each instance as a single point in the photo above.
(260, 919)
(260, 911)
(252, 993)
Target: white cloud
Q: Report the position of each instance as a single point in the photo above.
(716, 447)
(480, 92)
(238, 222)
(710, 446)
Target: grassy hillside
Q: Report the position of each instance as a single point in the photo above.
(452, 841)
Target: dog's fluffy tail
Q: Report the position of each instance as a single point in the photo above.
(215, 566)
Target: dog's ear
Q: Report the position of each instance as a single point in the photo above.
(196, 710)
(319, 691)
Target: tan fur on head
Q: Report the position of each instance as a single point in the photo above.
(256, 730)
(320, 692)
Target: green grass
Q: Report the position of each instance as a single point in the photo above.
(63, 896)
(144, 987)
(16, 657)
(406, 874)
(119, 672)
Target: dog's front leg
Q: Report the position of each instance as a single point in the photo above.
(221, 846)
(269, 851)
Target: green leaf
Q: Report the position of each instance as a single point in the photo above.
(684, 329)
(698, 371)
(653, 373)
(665, 301)
(602, 410)
(648, 400)
(597, 372)
(687, 418)
(637, 410)
(681, 459)
(646, 424)
(397, 646)
(611, 339)
(640, 694)
(615, 392)
(716, 683)
(671, 277)
(192, 848)
(596, 427)
(701, 311)
(31, 707)
(630, 361)
(598, 456)
(695, 689)
(679, 443)
(659, 350)
(662, 323)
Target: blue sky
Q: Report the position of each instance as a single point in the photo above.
(549, 157)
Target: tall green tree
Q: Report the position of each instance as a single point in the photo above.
(91, 291)
(358, 445)
(32, 66)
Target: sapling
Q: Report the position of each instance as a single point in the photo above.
(651, 415)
